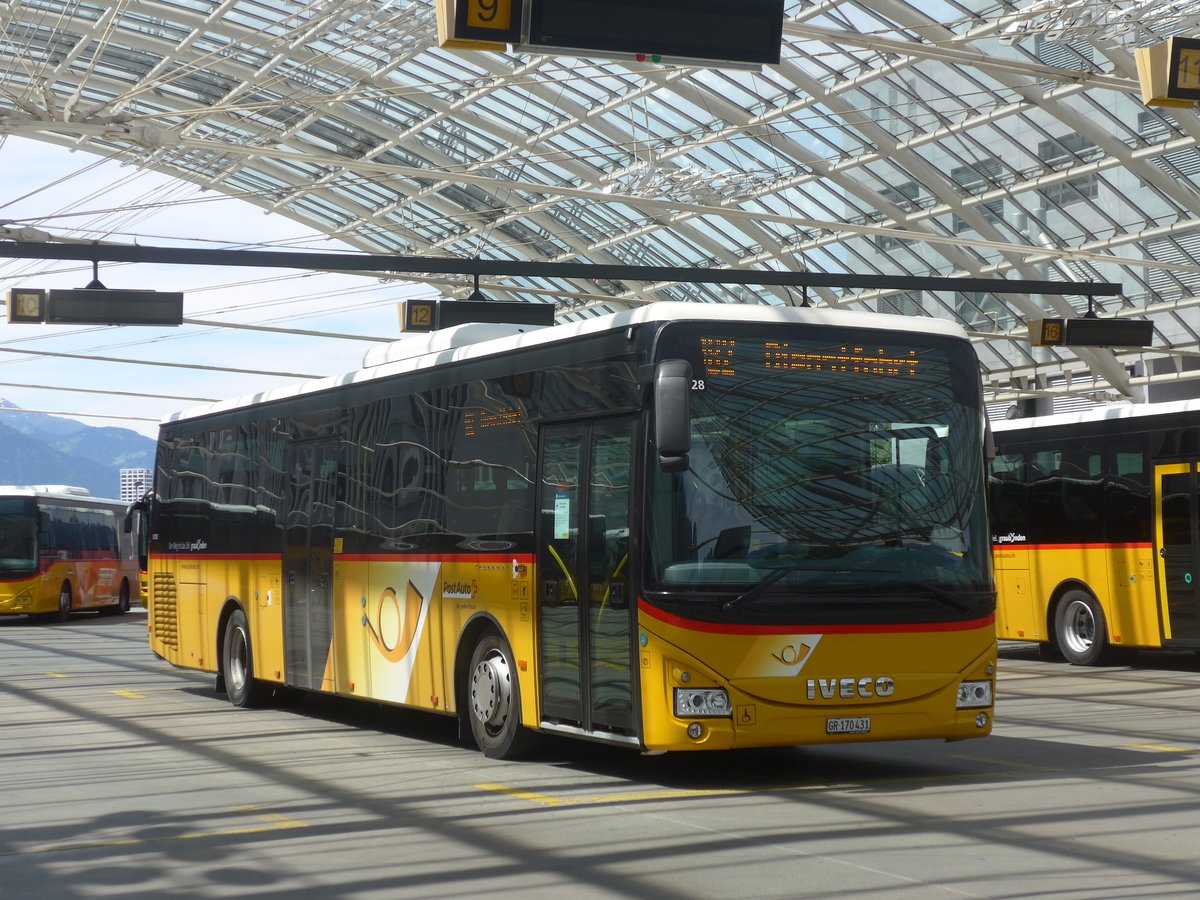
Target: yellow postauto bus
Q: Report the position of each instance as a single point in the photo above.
(62, 551)
(1095, 530)
(678, 527)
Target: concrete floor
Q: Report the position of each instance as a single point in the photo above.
(122, 777)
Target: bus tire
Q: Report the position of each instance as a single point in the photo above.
(63, 613)
(1080, 630)
(493, 700)
(237, 665)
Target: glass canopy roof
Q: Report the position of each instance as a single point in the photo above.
(930, 138)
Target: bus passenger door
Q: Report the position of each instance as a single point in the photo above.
(1176, 507)
(584, 615)
(308, 562)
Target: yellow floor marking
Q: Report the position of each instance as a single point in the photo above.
(523, 795)
(1007, 762)
(130, 694)
(672, 795)
(1160, 749)
(57, 675)
(278, 820)
(271, 822)
(546, 800)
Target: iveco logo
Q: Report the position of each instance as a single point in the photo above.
(850, 688)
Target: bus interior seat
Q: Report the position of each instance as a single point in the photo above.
(732, 543)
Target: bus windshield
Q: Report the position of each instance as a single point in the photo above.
(844, 463)
(18, 537)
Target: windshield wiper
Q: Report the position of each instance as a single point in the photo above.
(962, 600)
(755, 589)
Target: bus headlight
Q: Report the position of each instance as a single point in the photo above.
(24, 600)
(972, 694)
(711, 702)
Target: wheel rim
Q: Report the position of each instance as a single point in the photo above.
(1080, 627)
(64, 602)
(239, 660)
(491, 691)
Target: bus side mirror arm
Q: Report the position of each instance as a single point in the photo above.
(672, 420)
(135, 507)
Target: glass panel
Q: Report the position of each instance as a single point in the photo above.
(1066, 496)
(822, 463)
(608, 560)
(558, 568)
(1179, 554)
(308, 609)
(1128, 503)
(18, 537)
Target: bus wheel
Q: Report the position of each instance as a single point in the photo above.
(64, 603)
(1080, 629)
(493, 701)
(237, 665)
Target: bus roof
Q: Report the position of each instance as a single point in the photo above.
(1100, 414)
(476, 340)
(26, 490)
(57, 492)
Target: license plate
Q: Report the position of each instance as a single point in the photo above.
(858, 725)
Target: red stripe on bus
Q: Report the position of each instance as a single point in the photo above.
(46, 565)
(1139, 545)
(718, 628)
(526, 558)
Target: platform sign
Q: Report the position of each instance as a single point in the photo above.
(418, 316)
(463, 312)
(1096, 332)
(1047, 333)
(479, 24)
(1169, 72)
(95, 306)
(114, 307)
(433, 315)
(1091, 332)
(703, 32)
(26, 305)
(733, 33)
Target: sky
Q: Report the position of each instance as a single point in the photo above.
(79, 195)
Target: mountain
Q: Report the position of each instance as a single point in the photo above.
(41, 449)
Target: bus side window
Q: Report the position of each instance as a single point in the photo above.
(1127, 499)
(1008, 493)
(1075, 488)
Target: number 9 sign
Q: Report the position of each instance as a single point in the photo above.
(489, 13)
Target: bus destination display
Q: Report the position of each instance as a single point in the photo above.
(719, 356)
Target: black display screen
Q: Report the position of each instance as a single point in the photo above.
(748, 31)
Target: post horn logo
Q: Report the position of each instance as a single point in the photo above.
(393, 624)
